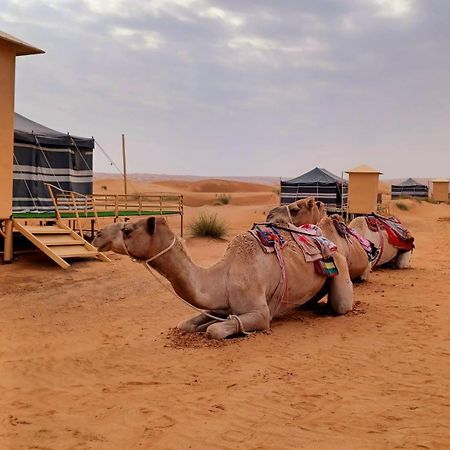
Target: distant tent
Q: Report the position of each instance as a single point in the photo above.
(320, 183)
(409, 188)
(43, 155)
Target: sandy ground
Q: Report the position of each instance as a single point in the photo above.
(88, 359)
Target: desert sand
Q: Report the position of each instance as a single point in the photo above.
(89, 358)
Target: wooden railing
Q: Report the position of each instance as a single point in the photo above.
(80, 206)
(140, 203)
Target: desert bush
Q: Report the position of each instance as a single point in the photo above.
(223, 199)
(402, 206)
(208, 225)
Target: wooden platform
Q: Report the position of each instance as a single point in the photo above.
(58, 242)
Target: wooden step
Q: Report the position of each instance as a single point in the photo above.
(46, 230)
(58, 242)
(59, 239)
(72, 251)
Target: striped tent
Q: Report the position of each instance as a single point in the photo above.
(43, 155)
(409, 188)
(318, 182)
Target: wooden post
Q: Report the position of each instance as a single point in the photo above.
(124, 164)
(8, 250)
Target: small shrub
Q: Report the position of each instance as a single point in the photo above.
(208, 225)
(222, 199)
(402, 206)
(104, 188)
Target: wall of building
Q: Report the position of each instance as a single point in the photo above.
(7, 80)
(440, 192)
(362, 192)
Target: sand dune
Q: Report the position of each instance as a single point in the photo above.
(197, 193)
(89, 361)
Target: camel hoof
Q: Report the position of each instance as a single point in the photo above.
(216, 331)
(187, 325)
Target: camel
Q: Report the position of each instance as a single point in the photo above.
(242, 287)
(303, 211)
(388, 253)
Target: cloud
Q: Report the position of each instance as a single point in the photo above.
(226, 87)
(137, 40)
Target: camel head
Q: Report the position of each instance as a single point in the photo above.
(146, 237)
(141, 239)
(306, 210)
(110, 238)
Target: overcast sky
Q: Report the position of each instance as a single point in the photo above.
(242, 87)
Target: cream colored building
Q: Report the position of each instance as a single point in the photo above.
(440, 190)
(10, 48)
(362, 189)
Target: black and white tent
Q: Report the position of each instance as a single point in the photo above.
(320, 183)
(43, 155)
(409, 188)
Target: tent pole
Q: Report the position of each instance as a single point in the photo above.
(124, 162)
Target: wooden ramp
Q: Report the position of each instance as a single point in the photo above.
(58, 242)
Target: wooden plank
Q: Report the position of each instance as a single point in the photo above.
(59, 239)
(19, 227)
(33, 229)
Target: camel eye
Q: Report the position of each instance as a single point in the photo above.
(126, 231)
(294, 211)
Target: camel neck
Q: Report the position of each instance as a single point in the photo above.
(202, 288)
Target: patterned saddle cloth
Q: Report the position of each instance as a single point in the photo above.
(398, 234)
(315, 247)
(345, 232)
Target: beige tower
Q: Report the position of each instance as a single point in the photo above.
(440, 190)
(10, 48)
(362, 189)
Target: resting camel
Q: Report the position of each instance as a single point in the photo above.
(242, 287)
(303, 211)
(388, 253)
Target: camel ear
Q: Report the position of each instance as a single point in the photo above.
(151, 223)
(311, 202)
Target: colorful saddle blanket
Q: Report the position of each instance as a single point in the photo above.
(315, 247)
(398, 234)
(345, 232)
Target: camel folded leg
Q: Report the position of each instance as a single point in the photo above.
(252, 321)
(199, 322)
(340, 294)
(403, 260)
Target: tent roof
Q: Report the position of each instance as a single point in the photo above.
(409, 182)
(441, 180)
(364, 168)
(26, 130)
(21, 47)
(316, 175)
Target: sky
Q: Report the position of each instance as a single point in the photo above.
(242, 87)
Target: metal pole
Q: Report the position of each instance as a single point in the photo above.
(124, 163)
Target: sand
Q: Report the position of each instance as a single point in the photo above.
(89, 358)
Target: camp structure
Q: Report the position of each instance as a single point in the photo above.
(363, 189)
(440, 190)
(44, 156)
(320, 183)
(409, 188)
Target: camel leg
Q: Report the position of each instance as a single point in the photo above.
(365, 275)
(403, 260)
(252, 321)
(340, 294)
(199, 322)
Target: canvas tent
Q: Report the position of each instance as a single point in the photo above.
(409, 188)
(318, 182)
(43, 155)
